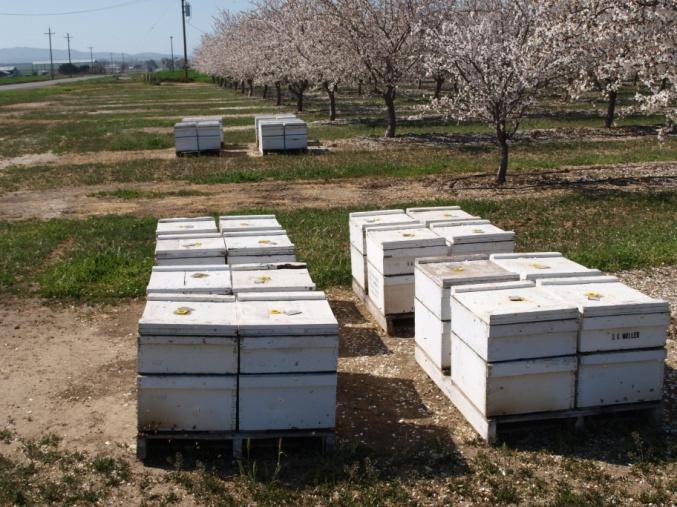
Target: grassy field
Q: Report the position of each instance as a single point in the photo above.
(111, 256)
(91, 165)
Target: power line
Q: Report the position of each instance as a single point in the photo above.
(68, 37)
(68, 13)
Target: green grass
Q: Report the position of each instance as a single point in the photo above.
(402, 163)
(175, 76)
(24, 79)
(111, 256)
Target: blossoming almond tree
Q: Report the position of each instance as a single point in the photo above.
(500, 58)
(381, 37)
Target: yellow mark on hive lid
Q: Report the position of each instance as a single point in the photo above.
(515, 298)
(275, 312)
(262, 279)
(478, 231)
(594, 296)
(190, 245)
(458, 269)
(183, 310)
(244, 224)
(539, 265)
(408, 234)
(199, 275)
(264, 241)
(186, 226)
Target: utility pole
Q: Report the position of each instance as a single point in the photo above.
(68, 37)
(171, 45)
(185, 46)
(91, 59)
(122, 65)
(51, 58)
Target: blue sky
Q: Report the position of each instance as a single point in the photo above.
(138, 26)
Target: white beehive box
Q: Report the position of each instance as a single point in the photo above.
(185, 137)
(177, 226)
(513, 321)
(536, 265)
(262, 117)
(271, 135)
(190, 251)
(284, 402)
(359, 221)
(187, 403)
(613, 316)
(209, 135)
(257, 248)
(206, 316)
(187, 355)
(428, 216)
(190, 280)
(613, 378)
(286, 333)
(513, 387)
(435, 279)
(392, 250)
(244, 223)
(295, 134)
(475, 237)
(273, 277)
(392, 295)
(216, 118)
(358, 267)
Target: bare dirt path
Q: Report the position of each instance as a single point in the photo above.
(78, 202)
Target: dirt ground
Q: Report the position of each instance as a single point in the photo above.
(71, 370)
(78, 202)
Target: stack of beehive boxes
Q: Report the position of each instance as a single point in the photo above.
(385, 244)
(195, 135)
(280, 133)
(222, 347)
(621, 340)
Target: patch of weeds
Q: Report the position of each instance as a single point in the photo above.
(115, 471)
(6, 435)
(566, 497)
(44, 450)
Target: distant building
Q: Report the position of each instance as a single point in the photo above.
(42, 66)
(8, 70)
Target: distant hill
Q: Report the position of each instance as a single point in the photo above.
(28, 55)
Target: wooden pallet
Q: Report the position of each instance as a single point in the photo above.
(488, 427)
(327, 437)
(209, 153)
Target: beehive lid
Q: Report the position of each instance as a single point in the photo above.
(392, 238)
(272, 280)
(175, 296)
(536, 265)
(603, 296)
(293, 315)
(268, 266)
(258, 244)
(186, 227)
(513, 303)
(190, 247)
(383, 217)
(448, 273)
(216, 118)
(186, 219)
(480, 231)
(189, 318)
(191, 280)
(234, 224)
(438, 214)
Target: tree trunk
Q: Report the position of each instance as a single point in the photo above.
(503, 164)
(242, 86)
(299, 101)
(265, 91)
(250, 85)
(332, 104)
(420, 83)
(389, 97)
(611, 109)
(439, 81)
(278, 93)
(298, 88)
(359, 87)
